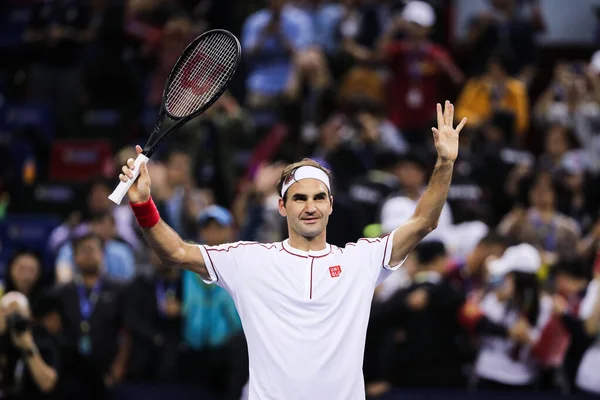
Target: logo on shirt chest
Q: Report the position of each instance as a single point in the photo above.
(335, 271)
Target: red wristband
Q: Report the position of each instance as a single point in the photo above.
(146, 213)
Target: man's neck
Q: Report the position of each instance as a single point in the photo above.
(302, 243)
(546, 213)
(89, 280)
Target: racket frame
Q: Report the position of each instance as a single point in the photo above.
(156, 136)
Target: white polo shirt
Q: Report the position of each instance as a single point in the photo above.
(304, 314)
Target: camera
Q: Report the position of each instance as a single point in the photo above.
(16, 323)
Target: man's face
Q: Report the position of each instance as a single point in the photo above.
(88, 255)
(307, 208)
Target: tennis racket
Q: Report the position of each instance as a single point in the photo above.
(199, 77)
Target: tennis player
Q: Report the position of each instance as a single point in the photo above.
(304, 304)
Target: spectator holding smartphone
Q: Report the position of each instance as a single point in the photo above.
(28, 366)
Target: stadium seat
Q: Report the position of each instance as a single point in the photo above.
(15, 117)
(14, 17)
(79, 160)
(26, 231)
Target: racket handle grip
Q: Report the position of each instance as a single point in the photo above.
(122, 188)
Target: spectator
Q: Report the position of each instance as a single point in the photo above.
(271, 37)
(501, 25)
(498, 164)
(567, 341)
(174, 188)
(495, 91)
(119, 261)
(256, 207)
(470, 273)
(58, 30)
(559, 143)
(568, 93)
(325, 19)
(211, 325)
(578, 196)
(153, 316)
(424, 330)
(223, 131)
(352, 142)
(29, 369)
(417, 68)
(362, 24)
(24, 275)
(176, 34)
(503, 363)
(96, 346)
(369, 191)
(97, 203)
(542, 224)
(589, 312)
(586, 116)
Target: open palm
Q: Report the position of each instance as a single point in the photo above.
(445, 136)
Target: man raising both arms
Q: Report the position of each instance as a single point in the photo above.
(304, 304)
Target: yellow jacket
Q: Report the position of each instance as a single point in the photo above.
(475, 103)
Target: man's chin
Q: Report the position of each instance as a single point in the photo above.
(311, 231)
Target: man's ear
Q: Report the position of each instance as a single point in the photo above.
(281, 207)
(331, 207)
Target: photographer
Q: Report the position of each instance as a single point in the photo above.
(28, 358)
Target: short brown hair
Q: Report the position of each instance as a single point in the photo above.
(288, 173)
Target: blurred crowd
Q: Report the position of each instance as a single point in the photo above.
(503, 295)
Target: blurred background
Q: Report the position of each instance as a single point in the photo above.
(502, 299)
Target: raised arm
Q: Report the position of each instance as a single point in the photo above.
(171, 249)
(429, 207)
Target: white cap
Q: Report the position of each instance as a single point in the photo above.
(395, 212)
(523, 258)
(419, 12)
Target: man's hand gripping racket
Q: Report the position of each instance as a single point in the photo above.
(199, 77)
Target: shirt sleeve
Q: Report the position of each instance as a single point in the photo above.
(379, 252)
(223, 263)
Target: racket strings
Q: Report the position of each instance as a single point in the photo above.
(201, 74)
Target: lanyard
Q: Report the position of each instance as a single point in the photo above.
(163, 293)
(87, 304)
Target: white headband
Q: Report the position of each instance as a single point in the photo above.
(306, 172)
